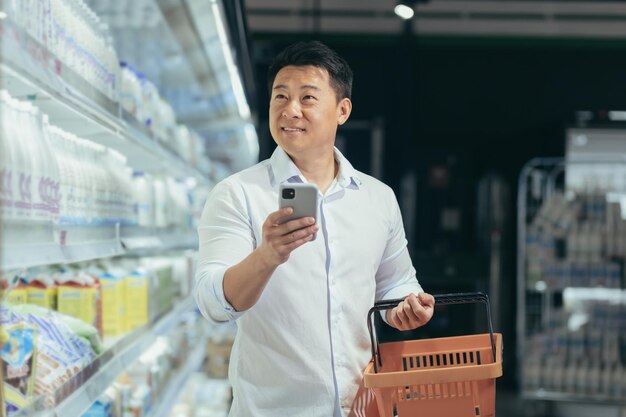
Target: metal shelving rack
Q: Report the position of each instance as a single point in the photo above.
(29, 71)
(77, 107)
(555, 303)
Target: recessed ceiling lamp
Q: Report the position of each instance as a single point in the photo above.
(404, 9)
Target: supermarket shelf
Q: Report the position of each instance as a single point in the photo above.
(74, 105)
(169, 395)
(141, 239)
(71, 245)
(24, 256)
(25, 246)
(78, 394)
(599, 399)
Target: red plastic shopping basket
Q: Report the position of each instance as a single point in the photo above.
(443, 377)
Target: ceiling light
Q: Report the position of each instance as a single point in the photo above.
(3, 15)
(404, 11)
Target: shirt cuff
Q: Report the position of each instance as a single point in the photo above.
(211, 299)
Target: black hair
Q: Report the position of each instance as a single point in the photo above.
(319, 55)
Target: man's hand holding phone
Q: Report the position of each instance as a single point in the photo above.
(280, 239)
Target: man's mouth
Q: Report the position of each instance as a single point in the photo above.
(291, 129)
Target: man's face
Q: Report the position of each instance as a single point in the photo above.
(304, 111)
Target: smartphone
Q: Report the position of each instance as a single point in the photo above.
(301, 197)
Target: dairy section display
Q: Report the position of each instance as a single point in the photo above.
(101, 188)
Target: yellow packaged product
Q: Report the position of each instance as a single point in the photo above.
(113, 304)
(43, 294)
(137, 289)
(70, 300)
(80, 297)
(16, 295)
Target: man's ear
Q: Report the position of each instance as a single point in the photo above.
(344, 108)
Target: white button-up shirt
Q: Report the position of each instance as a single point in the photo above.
(301, 349)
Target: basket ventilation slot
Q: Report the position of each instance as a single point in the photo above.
(438, 391)
(441, 360)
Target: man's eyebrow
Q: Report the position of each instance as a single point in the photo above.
(304, 87)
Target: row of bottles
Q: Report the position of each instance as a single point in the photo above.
(579, 241)
(50, 175)
(78, 38)
(585, 377)
(73, 33)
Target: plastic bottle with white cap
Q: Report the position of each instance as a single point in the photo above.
(22, 177)
(143, 199)
(32, 142)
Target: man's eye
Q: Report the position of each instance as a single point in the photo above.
(280, 97)
(308, 98)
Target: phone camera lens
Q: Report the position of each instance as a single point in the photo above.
(289, 193)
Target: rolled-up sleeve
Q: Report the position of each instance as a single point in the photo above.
(225, 238)
(396, 277)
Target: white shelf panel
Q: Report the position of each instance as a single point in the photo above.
(23, 247)
(146, 239)
(29, 71)
(86, 387)
(21, 257)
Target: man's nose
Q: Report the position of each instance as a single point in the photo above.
(292, 109)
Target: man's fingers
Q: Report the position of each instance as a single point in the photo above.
(394, 320)
(299, 242)
(426, 299)
(415, 310)
(294, 225)
(402, 318)
(299, 234)
(286, 232)
(280, 239)
(412, 312)
(402, 314)
(274, 218)
(412, 317)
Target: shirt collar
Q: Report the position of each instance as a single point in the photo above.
(284, 170)
(347, 177)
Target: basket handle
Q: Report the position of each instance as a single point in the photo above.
(440, 299)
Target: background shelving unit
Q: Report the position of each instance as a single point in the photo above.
(570, 282)
(28, 71)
